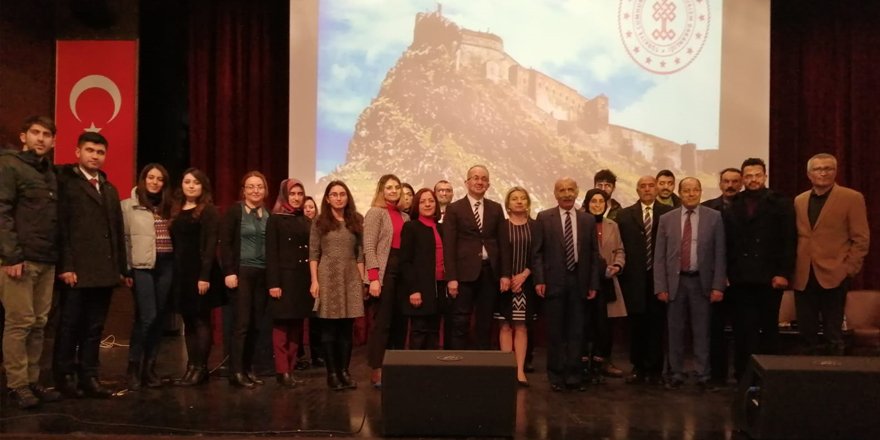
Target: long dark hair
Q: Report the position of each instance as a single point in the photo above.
(164, 206)
(207, 197)
(325, 222)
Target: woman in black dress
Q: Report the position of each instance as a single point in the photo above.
(516, 306)
(422, 282)
(194, 236)
(287, 276)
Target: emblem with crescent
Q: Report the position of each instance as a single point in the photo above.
(95, 82)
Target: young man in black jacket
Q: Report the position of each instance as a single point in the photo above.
(28, 253)
(92, 263)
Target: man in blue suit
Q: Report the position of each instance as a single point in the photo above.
(689, 274)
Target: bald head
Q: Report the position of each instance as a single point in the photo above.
(646, 188)
(566, 192)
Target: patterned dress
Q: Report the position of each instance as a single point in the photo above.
(520, 242)
(340, 285)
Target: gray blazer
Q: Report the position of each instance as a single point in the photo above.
(378, 233)
(711, 252)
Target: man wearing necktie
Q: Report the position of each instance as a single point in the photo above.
(93, 262)
(566, 264)
(472, 227)
(647, 316)
(690, 272)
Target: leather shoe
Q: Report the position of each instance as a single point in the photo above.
(240, 380)
(522, 383)
(635, 378)
(66, 385)
(92, 388)
(253, 378)
(24, 398)
(611, 370)
(556, 388)
(45, 394)
(286, 380)
(674, 384)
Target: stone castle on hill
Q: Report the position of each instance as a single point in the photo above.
(455, 98)
(482, 54)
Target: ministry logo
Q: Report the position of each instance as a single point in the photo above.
(663, 36)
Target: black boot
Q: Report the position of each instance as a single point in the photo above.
(187, 375)
(92, 388)
(240, 380)
(150, 378)
(134, 375)
(344, 360)
(332, 374)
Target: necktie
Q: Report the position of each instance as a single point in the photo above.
(569, 243)
(686, 237)
(477, 215)
(94, 182)
(649, 244)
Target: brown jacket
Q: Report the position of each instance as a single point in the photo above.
(837, 245)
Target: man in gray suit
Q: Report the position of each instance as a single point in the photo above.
(566, 273)
(689, 274)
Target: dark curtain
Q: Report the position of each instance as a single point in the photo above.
(238, 91)
(824, 92)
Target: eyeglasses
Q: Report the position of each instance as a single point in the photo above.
(479, 178)
(254, 187)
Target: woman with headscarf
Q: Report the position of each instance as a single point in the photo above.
(609, 300)
(287, 276)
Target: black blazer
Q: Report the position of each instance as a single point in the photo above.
(634, 278)
(717, 203)
(549, 251)
(92, 240)
(763, 246)
(463, 242)
(418, 262)
(230, 239)
(287, 265)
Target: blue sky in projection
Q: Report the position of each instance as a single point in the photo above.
(577, 42)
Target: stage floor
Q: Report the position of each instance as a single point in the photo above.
(216, 410)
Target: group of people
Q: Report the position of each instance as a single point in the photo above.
(417, 261)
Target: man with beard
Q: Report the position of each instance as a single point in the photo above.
(666, 189)
(761, 239)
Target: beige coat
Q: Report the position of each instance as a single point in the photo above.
(836, 247)
(140, 233)
(611, 249)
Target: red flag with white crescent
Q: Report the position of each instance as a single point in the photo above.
(96, 90)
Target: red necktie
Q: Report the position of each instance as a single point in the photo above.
(686, 237)
(94, 182)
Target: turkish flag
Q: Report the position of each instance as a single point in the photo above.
(96, 90)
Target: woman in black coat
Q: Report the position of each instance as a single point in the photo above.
(287, 276)
(422, 277)
(194, 236)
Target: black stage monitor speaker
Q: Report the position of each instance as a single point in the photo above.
(809, 397)
(448, 393)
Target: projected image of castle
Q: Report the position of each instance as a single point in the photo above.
(456, 98)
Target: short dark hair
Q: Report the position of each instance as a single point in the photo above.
(754, 161)
(605, 175)
(665, 173)
(730, 170)
(95, 138)
(45, 121)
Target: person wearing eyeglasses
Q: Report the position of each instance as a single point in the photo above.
(243, 257)
(472, 258)
(833, 238)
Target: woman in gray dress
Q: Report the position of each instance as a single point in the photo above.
(336, 262)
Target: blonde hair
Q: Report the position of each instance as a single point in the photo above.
(510, 194)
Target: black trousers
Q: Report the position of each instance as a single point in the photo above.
(720, 314)
(477, 297)
(425, 329)
(755, 323)
(647, 330)
(78, 339)
(383, 311)
(597, 340)
(249, 324)
(564, 309)
(813, 301)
